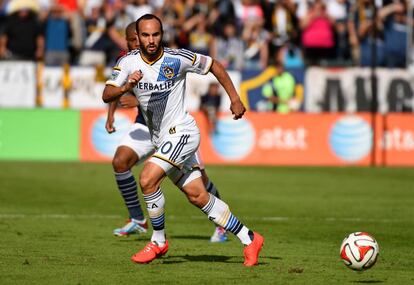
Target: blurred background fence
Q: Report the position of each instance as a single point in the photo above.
(326, 82)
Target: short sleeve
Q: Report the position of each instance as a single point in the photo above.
(119, 73)
(195, 62)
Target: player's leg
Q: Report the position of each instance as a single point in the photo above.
(124, 159)
(211, 188)
(150, 180)
(219, 212)
(219, 234)
(171, 154)
(135, 147)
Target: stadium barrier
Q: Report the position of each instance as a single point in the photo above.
(310, 139)
(349, 90)
(27, 85)
(258, 139)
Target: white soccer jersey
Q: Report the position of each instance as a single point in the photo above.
(161, 90)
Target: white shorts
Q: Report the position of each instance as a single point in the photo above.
(139, 140)
(177, 151)
(184, 165)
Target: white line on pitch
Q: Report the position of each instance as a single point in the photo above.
(200, 217)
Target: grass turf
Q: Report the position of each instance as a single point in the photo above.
(56, 222)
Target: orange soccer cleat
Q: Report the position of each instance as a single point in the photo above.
(150, 252)
(251, 252)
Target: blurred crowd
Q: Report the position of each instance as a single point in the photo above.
(242, 34)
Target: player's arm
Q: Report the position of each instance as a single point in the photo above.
(113, 92)
(237, 108)
(125, 101)
(109, 125)
(128, 101)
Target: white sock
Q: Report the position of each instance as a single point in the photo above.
(155, 207)
(218, 212)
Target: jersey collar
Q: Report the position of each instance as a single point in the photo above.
(155, 60)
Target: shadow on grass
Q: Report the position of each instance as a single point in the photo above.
(368, 281)
(173, 259)
(132, 239)
(190, 237)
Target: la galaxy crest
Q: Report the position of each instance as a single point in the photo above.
(169, 69)
(168, 72)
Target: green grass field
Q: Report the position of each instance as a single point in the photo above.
(56, 222)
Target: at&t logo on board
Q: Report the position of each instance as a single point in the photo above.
(105, 143)
(351, 138)
(233, 139)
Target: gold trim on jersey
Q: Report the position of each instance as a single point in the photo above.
(194, 59)
(167, 160)
(211, 64)
(111, 84)
(117, 68)
(155, 60)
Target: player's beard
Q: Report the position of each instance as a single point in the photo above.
(150, 54)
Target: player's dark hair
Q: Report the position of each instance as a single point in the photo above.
(130, 28)
(148, 17)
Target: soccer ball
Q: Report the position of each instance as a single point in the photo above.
(359, 251)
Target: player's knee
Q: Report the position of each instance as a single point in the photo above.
(199, 198)
(120, 164)
(147, 183)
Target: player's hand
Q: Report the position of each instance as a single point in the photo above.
(237, 109)
(133, 80)
(128, 101)
(109, 125)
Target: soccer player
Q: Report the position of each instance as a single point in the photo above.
(156, 75)
(135, 148)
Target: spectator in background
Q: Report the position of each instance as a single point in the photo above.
(194, 7)
(193, 15)
(228, 48)
(255, 52)
(103, 40)
(57, 36)
(210, 105)
(221, 13)
(302, 8)
(199, 39)
(74, 10)
(22, 37)
(318, 39)
(173, 18)
(338, 10)
(279, 93)
(96, 41)
(396, 27)
(138, 8)
(283, 24)
(248, 11)
(361, 34)
(291, 56)
(117, 19)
